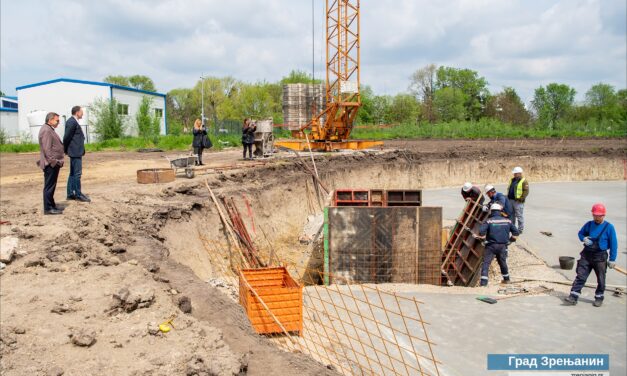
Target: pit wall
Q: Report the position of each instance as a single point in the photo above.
(280, 205)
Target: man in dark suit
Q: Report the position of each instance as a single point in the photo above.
(74, 147)
(50, 160)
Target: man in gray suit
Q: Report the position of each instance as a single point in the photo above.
(50, 160)
(74, 147)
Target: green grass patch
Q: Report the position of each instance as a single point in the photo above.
(166, 143)
(490, 128)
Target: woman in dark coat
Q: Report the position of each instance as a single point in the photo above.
(248, 137)
(200, 134)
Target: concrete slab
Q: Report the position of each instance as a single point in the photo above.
(466, 330)
(561, 208)
(536, 324)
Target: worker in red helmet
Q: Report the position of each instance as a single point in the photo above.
(598, 236)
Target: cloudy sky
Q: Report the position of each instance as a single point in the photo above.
(519, 43)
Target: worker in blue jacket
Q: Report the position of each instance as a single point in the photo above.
(498, 197)
(496, 230)
(598, 236)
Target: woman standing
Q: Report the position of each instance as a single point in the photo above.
(200, 136)
(248, 137)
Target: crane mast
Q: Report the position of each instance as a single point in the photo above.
(330, 129)
(335, 122)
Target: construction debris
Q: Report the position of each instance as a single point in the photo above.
(8, 244)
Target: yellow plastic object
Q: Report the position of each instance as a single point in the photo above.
(165, 326)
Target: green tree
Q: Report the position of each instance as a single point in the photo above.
(381, 108)
(255, 101)
(142, 83)
(117, 80)
(107, 122)
(473, 87)
(148, 125)
(365, 113)
(136, 81)
(218, 92)
(299, 77)
(507, 107)
(449, 104)
(181, 111)
(621, 96)
(552, 103)
(604, 102)
(404, 109)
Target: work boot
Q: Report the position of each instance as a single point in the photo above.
(570, 300)
(597, 302)
(53, 211)
(506, 281)
(483, 283)
(83, 198)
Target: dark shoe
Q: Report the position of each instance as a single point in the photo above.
(483, 283)
(570, 300)
(69, 198)
(53, 212)
(506, 281)
(83, 198)
(597, 302)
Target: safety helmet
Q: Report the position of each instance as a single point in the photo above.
(488, 188)
(496, 207)
(598, 209)
(517, 170)
(467, 186)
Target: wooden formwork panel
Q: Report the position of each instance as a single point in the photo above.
(384, 244)
(281, 294)
(155, 175)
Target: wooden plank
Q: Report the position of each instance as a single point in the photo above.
(257, 310)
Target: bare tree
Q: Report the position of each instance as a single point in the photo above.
(422, 85)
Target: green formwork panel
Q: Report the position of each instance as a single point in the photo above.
(326, 246)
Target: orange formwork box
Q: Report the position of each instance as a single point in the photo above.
(281, 294)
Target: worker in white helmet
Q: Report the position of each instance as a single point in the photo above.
(498, 232)
(498, 197)
(470, 192)
(517, 192)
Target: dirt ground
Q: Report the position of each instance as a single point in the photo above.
(86, 291)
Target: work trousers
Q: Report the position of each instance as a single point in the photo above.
(248, 147)
(74, 179)
(518, 219)
(589, 261)
(493, 250)
(51, 174)
(198, 152)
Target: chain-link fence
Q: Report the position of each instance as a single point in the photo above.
(226, 127)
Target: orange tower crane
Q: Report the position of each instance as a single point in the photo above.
(330, 129)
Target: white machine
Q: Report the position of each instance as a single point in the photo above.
(264, 139)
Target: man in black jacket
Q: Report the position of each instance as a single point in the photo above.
(74, 147)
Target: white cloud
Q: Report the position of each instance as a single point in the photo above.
(523, 43)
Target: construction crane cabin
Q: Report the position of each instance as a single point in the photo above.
(330, 129)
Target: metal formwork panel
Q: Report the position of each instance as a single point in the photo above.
(463, 253)
(384, 244)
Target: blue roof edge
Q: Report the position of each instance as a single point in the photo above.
(8, 109)
(120, 87)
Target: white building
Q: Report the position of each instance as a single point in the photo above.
(60, 95)
(8, 118)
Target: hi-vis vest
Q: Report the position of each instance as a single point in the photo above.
(519, 187)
